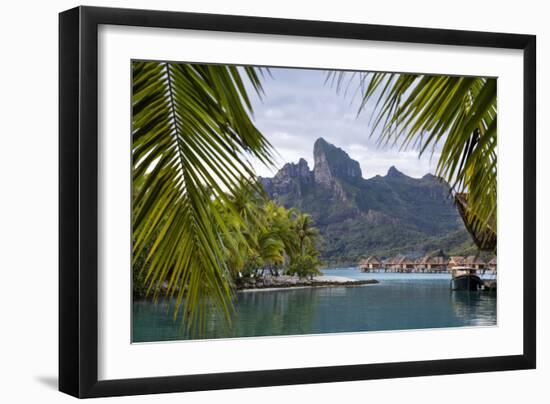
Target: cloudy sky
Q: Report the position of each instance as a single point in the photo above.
(298, 107)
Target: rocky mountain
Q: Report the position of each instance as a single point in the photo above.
(383, 215)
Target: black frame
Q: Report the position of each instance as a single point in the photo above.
(78, 193)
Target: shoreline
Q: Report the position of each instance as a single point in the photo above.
(289, 282)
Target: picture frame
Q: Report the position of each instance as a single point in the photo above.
(79, 174)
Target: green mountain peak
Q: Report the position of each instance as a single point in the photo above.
(359, 217)
(331, 162)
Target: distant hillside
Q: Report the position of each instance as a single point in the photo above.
(383, 215)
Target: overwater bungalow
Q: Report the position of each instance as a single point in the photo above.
(455, 261)
(419, 264)
(471, 261)
(370, 264)
(474, 262)
(402, 264)
(432, 264)
(390, 265)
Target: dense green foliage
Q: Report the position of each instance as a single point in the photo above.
(192, 137)
(266, 239)
(274, 240)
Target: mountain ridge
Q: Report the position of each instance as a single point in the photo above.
(358, 216)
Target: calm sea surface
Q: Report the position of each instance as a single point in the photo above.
(398, 302)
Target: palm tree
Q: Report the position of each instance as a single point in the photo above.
(304, 260)
(306, 233)
(268, 238)
(192, 138)
(281, 222)
(457, 114)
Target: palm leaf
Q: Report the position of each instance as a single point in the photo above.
(192, 140)
(457, 114)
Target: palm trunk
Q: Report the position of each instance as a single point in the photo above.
(484, 236)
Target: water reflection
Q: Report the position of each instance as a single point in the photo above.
(475, 308)
(397, 303)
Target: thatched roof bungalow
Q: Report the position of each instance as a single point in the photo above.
(471, 261)
(474, 262)
(391, 263)
(493, 264)
(371, 262)
(456, 261)
(435, 263)
(400, 263)
(418, 263)
(407, 263)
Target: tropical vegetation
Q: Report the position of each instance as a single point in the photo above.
(274, 240)
(200, 219)
(192, 141)
(265, 240)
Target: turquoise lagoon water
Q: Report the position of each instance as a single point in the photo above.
(398, 302)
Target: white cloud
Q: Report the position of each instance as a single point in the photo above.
(298, 107)
(274, 113)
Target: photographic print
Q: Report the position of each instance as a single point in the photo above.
(272, 201)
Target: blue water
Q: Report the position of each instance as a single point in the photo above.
(398, 302)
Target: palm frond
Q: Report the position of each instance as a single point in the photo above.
(192, 140)
(456, 114)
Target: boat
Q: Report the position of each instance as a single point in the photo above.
(465, 278)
